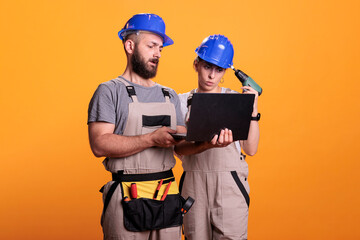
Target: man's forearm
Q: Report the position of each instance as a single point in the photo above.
(116, 146)
(189, 148)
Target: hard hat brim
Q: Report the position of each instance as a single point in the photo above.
(167, 41)
(214, 61)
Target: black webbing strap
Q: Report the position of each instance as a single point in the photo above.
(131, 90)
(180, 189)
(121, 177)
(182, 181)
(241, 187)
(168, 180)
(165, 92)
(109, 195)
(189, 101)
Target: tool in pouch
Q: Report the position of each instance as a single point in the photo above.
(147, 204)
(157, 189)
(187, 204)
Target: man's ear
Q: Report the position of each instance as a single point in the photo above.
(129, 46)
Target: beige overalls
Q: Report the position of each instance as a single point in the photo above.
(217, 179)
(145, 163)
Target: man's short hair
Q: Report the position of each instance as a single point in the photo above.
(128, 34)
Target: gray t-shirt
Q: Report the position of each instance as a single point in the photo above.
(110, 102)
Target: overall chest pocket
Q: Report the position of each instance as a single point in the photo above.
(151, 123)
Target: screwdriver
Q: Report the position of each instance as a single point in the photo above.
(133, 191)
(157, 189)
(166, 192)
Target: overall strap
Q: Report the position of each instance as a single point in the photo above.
(129, 88)
(166, 94)
(190, 97)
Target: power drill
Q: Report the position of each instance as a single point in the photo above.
(246, 80)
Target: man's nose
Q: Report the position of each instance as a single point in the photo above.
(157, 53)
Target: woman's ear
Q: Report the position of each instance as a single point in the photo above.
(129, 46)
(196, 65)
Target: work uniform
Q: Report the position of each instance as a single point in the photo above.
(217, 179)
(142, 118)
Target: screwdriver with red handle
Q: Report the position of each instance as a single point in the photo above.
(166, 191)
(133, 191)
(157, 189)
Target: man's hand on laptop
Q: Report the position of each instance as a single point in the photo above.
(162, 137)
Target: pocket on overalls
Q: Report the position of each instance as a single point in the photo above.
(151, 123)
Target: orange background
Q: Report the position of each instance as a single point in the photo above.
(305, 54)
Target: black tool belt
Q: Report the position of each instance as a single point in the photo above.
(146, 212)
(121, 177)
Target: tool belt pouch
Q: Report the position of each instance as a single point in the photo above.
(148, 214)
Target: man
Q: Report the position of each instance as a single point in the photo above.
(131, 119)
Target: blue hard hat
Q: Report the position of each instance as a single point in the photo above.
(216, 49)
(146, 22)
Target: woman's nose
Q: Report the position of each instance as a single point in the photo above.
(212, 73)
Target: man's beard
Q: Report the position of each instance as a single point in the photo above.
(139, 65)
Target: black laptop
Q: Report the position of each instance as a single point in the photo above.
(211, 112)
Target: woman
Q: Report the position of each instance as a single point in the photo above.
(215, 172)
